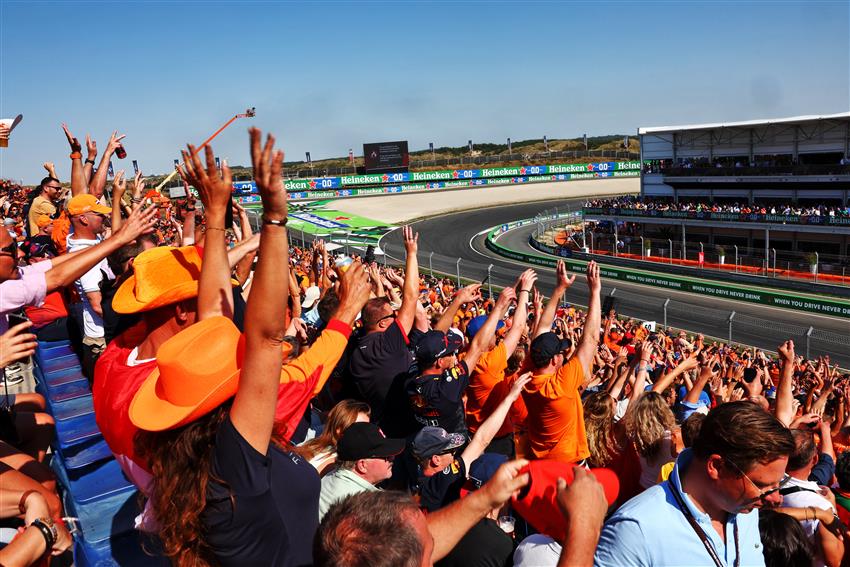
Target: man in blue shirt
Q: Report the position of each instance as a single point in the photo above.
(704, 515)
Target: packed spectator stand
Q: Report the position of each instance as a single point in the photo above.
(649, 204)
(210, 396)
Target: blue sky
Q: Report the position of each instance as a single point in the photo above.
(327, 76)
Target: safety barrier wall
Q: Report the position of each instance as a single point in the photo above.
(356, 185)
(806, 303)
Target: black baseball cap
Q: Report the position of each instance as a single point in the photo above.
(363, 440)
(432, 441)
(436, 344)
(545, 347)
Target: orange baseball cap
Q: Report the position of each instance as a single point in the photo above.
(42, 221)
(85, 203)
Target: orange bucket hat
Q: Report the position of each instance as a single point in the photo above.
(180, 390)
(161, 276)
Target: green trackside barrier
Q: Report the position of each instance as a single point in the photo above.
(799, 302)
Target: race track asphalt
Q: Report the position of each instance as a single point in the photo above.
(456, 235)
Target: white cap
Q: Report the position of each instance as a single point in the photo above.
(311, 296)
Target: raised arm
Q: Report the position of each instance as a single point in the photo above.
(463, 295)
(688, 363)
(784, 390)
(78, 179)
(253, 408)
(410, 295)
(119, 185)
(493, 423)
(548, 315)
(590, 336)
(98, 182)
(525, 283)
(91, 154)
(214, 291)
(482, 337)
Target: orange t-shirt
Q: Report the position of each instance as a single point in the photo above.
(487, 388)
(555, 414)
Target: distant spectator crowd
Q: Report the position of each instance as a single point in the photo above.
(280, 405)
(637, 203)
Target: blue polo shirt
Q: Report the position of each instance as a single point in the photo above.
(650, 529)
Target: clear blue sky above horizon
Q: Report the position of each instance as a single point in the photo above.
(328, 76)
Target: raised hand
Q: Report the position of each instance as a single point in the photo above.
(268, 163)
(786, 351)
(507, 295)
(139, 187)
(519, 384)
(91, 148)
(213, 187)
(72, 141)
(564, 280)
(526, 280)
(506, 482)
(594, 282)
(114, 142)
(119, 186)
(469, 293)
(16, 344)
(411, 239)
(141, 221)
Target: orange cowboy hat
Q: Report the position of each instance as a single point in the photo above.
(161, 276)
(179, 390)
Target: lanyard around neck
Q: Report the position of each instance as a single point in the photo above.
(709, 547)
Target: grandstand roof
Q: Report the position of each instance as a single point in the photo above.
(744, 123)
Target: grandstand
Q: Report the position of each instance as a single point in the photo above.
(804, 161)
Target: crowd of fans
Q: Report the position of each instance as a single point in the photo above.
(783, 164)
(637, 203)
(277, 405)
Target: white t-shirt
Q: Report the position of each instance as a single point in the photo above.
(808, 496)
(90, 282)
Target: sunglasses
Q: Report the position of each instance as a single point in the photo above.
(11, 249)
(763, 494)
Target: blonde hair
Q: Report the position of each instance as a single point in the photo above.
(599, 425)
(647, 422)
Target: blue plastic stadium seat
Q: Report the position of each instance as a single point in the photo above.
(86, 454)
(72, 408)
(76, 430)
(44, 354)
(67, 391)
(63, 376)
(59, 363)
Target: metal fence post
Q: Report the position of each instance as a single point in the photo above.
(666, 302)
(489, 282)
(457, 265)
(731, 316)
(808, 340)
(430, 267)
(736, 258)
